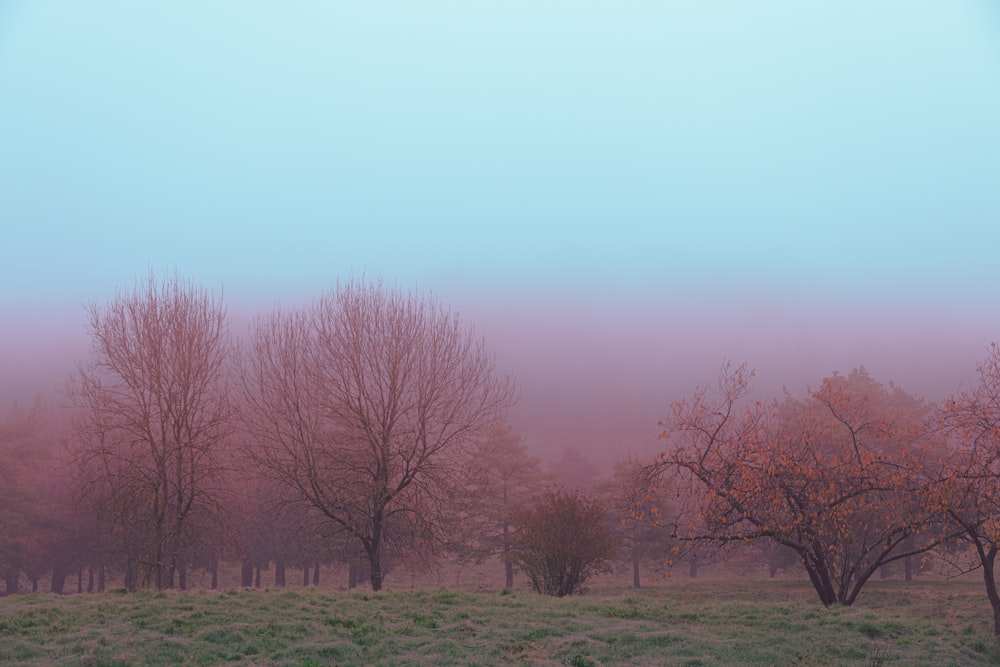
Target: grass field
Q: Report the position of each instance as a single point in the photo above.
(682, 623)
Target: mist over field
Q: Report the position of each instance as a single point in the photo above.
(598, 374)
(734, 266)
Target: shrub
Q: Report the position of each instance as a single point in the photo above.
(561, 541)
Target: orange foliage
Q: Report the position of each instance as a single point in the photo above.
(970, 471)
(838, 476)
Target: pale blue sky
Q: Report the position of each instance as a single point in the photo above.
(803, 162)
(788, 145)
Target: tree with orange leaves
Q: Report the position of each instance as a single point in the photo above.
(837, 476)
(972, 422)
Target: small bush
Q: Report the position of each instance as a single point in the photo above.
(561, 541)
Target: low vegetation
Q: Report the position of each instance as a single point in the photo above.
(674, 623)
(562, 541)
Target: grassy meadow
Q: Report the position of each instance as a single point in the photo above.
(691, 623)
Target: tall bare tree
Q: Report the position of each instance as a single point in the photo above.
(152, 419)
(363, 403)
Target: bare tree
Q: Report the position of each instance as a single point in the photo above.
(363, 404)
(152, 418)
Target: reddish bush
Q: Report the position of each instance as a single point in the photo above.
(561, 541)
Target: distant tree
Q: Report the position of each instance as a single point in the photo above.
(20, 507)
(574, 470)
(839, 477)
(502, 478)
(363, 404)
(561, 541)
(971, 470)
(779, 558)
(37, 533)
(152, 419)
(641, 514)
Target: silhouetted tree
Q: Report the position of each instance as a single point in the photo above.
(152, 418)
(561, 541)
(363, 404)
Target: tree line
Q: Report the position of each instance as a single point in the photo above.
(368, 429)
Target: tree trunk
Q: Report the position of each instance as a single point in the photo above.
(90, 578)
(34, 583)
(58, 580)
(101, 578)
(635, 571)
(508, 567)
(357, 574)
(693, 562)
(79, 581)
(256, 579)
(991, 593)
(279, 573)
(132, 570)
(158, 553)
(246, 573)
(182, 578)
(215, 573)
(305, 575)
(316, 574)
(373, 549)
(822, 585)
(12, 579)
(988, 559)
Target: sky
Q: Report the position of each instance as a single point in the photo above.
(617, 195)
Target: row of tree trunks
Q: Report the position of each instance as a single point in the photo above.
(250, 575)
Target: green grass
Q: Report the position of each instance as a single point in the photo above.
(691, 623)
